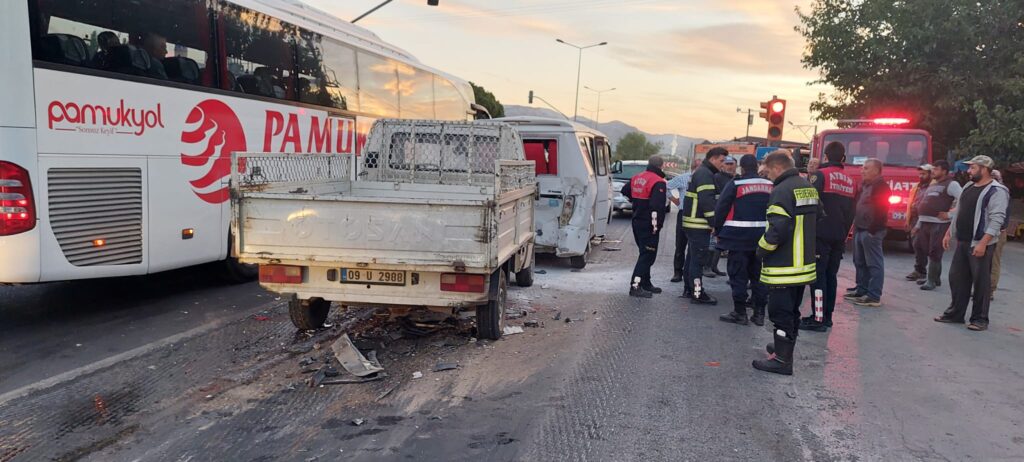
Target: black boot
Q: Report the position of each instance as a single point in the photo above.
(704, 299)
(758, 317)
(651, 288)
(737, 316)
(770, 348)
(811, 324)
(677, 276)
(640, 292)
(781, 362)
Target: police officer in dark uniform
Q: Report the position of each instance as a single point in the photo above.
(788, 258)
(739, 224)
(697, 209)
(722, 178)
(837, 190)
(647, 192)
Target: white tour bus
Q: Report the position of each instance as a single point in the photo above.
(119, 119)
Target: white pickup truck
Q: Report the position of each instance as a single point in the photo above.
(434, 215)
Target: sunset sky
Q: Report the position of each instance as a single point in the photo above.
(679, 66)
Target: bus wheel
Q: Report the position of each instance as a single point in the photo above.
(237, 273)
(308, 314)
(490, 318)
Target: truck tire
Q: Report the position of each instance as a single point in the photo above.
(490, 318)
(524, 277)
(579, 262)
(308, 314)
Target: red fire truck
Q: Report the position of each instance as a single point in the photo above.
(900, 149)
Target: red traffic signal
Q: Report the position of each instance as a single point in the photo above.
(776, 117)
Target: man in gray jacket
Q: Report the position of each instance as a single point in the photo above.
(976, 225)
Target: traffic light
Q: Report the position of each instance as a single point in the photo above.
(776, 116)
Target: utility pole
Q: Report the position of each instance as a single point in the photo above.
(598, 120)
(750, 119)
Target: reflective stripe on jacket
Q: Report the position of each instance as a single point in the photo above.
(793, 209)
(699, 201)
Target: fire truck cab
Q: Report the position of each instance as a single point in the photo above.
(900, 149)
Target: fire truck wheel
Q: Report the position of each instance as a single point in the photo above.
(490, 318)
(308, 314)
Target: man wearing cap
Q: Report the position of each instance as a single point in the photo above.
(937, 200)
(714, 255)
(924, 175)
(975, 227)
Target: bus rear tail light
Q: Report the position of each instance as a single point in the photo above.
(460, 282)
(17, 206)
(281, 274)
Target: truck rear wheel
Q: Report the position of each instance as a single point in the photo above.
(309, 314)
(490, 318)
(524, 277)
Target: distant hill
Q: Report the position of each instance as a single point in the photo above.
(614, 129)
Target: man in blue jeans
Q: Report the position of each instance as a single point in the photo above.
(869, 221)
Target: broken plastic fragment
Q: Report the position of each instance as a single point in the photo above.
(417, 375)
(512, 330)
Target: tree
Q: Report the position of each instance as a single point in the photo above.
(488, 100)
(634, 146)
(953, 66)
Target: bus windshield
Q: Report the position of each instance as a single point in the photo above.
(898, 149)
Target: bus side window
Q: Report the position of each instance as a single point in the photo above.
(136, 37)
(448, 103)
(327, 72)
(378, 85)
(259, 52)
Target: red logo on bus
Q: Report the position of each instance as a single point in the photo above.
(214, 130)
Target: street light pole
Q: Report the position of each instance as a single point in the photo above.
(598, 114)
(750, 119)
(579, 68)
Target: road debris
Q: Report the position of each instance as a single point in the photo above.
(512, 330)
(260, 317)
(349, 381)
(612, 249)
(387, 392)
(712, 364)
(358, 422)
(351, 359)
(558, 316)
(417, 375)
(791, 394)
(532, 323)
(540, 272)
(544, 286)
(445, 367)
(307, 361)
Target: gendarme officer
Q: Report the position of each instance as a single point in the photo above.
(788, 258)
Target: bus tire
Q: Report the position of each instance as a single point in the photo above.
(237, 273)
(490, 318)
(309, 314)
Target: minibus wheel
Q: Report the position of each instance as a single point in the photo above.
(490, 318)
(308, 314)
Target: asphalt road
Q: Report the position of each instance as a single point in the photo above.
(626, 379)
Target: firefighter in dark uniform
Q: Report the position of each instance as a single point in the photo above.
(697, 209)
(739, 224)
(837, 190)
(647, 192)
(788, 258)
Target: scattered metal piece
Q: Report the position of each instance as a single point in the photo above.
(558, 316)
(348, 381)
(512, 330)
(540, 272)
(351, 359)
(330, 371)
(612, 249)
(318, 379)
(358, 422)
(417, 375)
(532, 323)
(307, 361)
(445, 367)
(387, 392)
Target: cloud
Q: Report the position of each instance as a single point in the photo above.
(742, 48)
